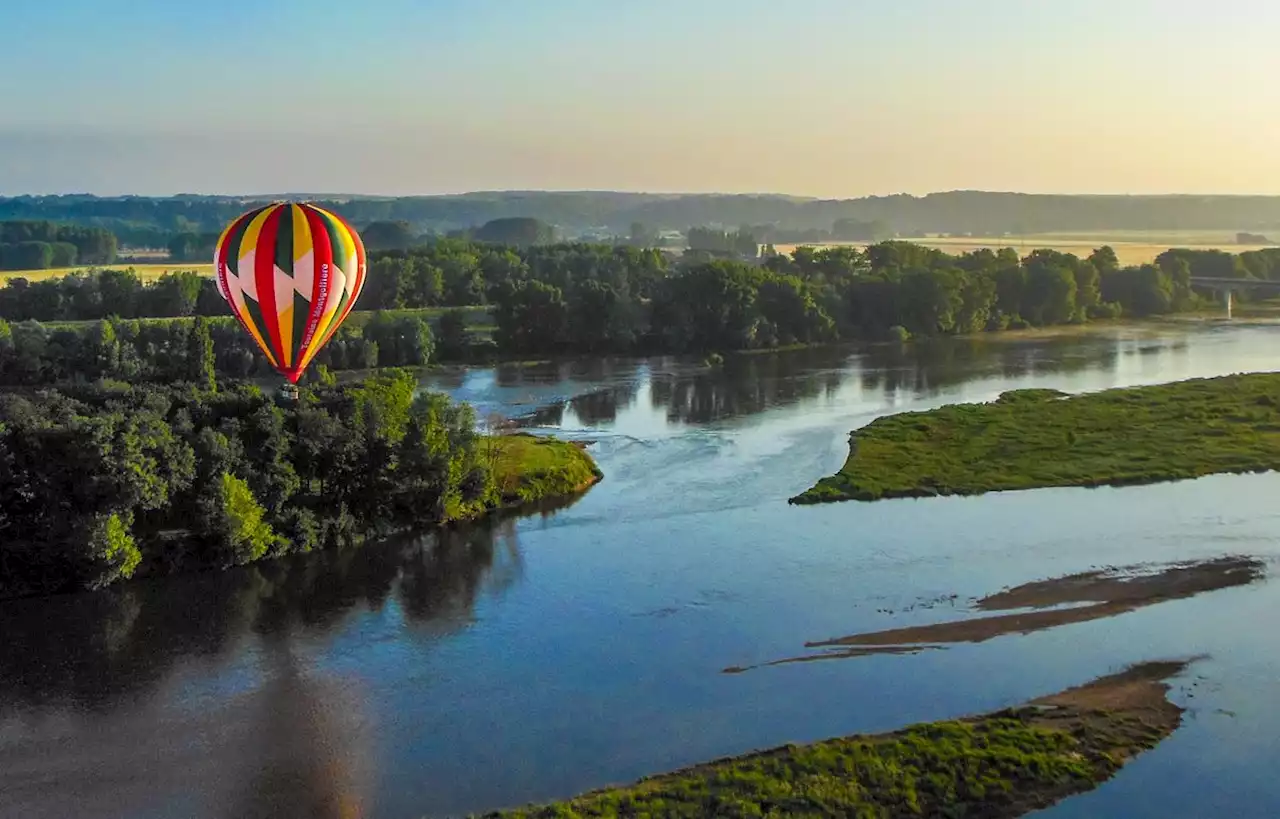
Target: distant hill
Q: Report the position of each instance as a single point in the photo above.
(576, 212)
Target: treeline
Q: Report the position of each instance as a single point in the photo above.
(98, 294)
(977, 212)
(200, 349)
(102, 482)
(192, 247)
(29, 245)
(747, 238)
(741, 242)
(460, 272)
(890, 290)
(580, 298)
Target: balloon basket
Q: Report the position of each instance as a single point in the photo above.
(287, 394)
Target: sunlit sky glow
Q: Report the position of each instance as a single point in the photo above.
(833, 98)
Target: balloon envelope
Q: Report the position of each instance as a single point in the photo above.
(291, 273)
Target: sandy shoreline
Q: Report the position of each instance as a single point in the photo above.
(1103, 593)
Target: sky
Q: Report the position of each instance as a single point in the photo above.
(828, 98)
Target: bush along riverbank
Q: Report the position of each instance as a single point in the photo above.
(1004, 764)
(1039, 438)
(109, 481)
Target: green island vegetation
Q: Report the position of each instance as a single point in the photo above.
(107, 480)
(1005, 764)
(1040, 438)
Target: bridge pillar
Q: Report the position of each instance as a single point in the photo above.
(1227, 299)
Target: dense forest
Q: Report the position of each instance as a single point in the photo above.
(149, 222)
(587, 299)
(103, 481)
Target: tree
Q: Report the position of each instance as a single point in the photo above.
(64, 254)
(852, 230)
(389, 284)
(174, 294)
(452, 328)
(102, 351)
(931, 301)
(120, 291)
(530, 316)
(599, 318)
(402, 341)
(26, 256)
(1088, 290)
(200, 359)
(235, 523)
(520, 231)
(268, 449)
(1051, 287)
(190, 246)
(1104, 260)
(111, 547)
(789, 307)
(642, 235)
(396, 235)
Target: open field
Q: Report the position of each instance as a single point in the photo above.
(1131, 247)
(147, 272)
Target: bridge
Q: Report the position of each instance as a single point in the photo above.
(1227, 287)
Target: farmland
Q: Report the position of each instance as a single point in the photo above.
(1131, 247)
(146, 272)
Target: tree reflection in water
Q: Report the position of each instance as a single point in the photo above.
(88, 652)
(304, 755)
(689, 393)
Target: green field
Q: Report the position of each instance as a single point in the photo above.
(146, 272)
(1039, 438)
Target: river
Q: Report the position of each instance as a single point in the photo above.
(530, 659)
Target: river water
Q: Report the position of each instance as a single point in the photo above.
(530, 659)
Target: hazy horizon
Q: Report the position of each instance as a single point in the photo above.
(822, 98)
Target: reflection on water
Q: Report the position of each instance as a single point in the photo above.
(690, 393)
(115, 644)
(535, 658)
(286, 738)
(303, 756)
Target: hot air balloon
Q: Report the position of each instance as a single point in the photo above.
(292, 273)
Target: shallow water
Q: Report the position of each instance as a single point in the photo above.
(531, 659)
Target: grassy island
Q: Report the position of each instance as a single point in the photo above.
(1038, 438)
(533, 468)
(1003, 764)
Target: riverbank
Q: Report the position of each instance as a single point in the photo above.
(209, 479)
(1036, 438)
(1004, 764)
